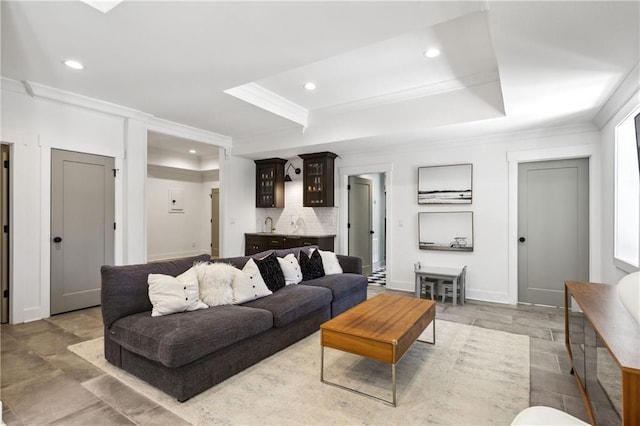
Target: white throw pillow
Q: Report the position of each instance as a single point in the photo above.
(330, 263)
(169, 294)
(215, 283)
(248, 284)
(291, 269)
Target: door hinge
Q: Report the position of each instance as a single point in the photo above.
(5, 228)
(348, 225)
(5, 164)
(115, 171)
(5, 294)
(114, 225)
(348, 187)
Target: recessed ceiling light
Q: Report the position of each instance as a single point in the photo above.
(192, 151)
(310, 86)
(102, 5)
(72, 63)
(432, 53)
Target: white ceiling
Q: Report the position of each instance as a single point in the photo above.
(393, 66)
(504, 67)
(169, 143)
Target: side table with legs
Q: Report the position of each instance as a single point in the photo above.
(439, 277)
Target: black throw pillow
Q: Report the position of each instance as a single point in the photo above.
(311, 267)
(271, 272)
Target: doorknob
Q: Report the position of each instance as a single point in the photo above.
(57, 240)
(522, 239)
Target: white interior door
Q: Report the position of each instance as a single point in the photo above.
(553, 228)
(82, 227)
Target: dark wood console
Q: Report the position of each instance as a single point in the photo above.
(604, 330)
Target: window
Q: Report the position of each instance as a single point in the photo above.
(627, 196)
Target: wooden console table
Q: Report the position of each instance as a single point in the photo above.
(605, 322)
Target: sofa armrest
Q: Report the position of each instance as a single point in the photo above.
(125, 288)
(350, 264)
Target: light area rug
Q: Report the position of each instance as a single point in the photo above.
(471, 376)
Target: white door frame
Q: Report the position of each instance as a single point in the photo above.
(592, 152)
(343, 219)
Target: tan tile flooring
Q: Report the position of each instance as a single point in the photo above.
(41, 382)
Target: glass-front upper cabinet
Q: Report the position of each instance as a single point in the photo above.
(317, 178)
(270, 182)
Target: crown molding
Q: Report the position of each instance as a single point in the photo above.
(464, 82)
(509, 136)
(259, 96)
(171, 128)
(12, 85)
(36, 90)
(427, 143)
(629, 87)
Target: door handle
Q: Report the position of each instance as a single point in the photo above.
(57, 240)
(522, 239)
(371, 232)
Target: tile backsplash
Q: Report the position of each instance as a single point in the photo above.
(299, 220)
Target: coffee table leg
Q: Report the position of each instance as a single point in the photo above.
(433, 341)
(393, 381)
(393, 402)
(321, 363)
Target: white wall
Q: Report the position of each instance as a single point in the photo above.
(177, 234)
(237, 195)
(33, 127)
(187, 233)
(488, 264)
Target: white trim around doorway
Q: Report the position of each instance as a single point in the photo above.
(343, 181)
(592, 152)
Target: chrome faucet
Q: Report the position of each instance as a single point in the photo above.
(270, 228)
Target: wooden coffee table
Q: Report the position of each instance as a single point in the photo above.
(382, 328)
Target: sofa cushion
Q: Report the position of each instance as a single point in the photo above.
(330, 263)
(248, 284)
(178, 339)
(215, 283)
(340, 285)
(311, 266)
(291, 269)
(170, 295)
(293, 302)
(271, 272)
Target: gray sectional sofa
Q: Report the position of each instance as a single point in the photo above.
(186, 353)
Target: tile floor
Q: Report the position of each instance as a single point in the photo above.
(41, 382)
(378, 277)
